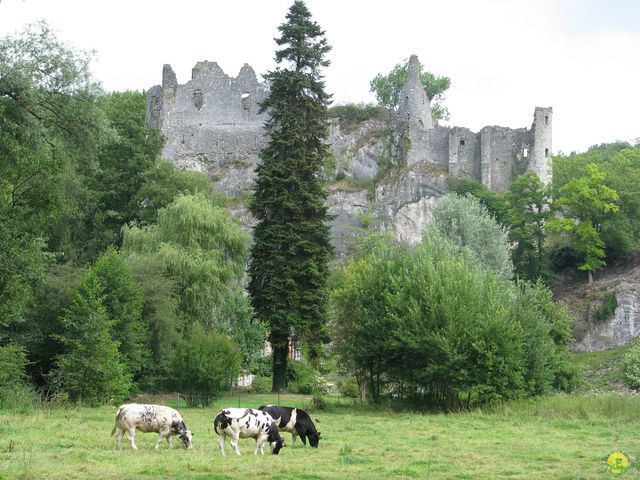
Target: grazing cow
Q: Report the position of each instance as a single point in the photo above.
(247, 423)
(295, 421)
(165, 421)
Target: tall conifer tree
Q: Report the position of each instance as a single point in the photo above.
(289, 259)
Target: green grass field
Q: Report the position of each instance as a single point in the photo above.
(555, 437)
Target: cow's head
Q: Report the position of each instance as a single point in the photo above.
(314, 439)
(277, 445)
(187, 439)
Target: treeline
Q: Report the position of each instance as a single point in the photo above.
(443, 323)
(118, 272)
(586, 219)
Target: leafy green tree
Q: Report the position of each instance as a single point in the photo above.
(91, 370)
(631, 366)
(103, 195)
(40, 332)
(585, 203)
(467, 224)
(454, 332)
(200, 246)
(495, 203)
(205, 365)
(289, 259)
(388, 87)
(233, 316)
(161, 185)
(362, 311)
(620, 164)
(529, 210)
(49, 118)
(161, 317)
(122, 297)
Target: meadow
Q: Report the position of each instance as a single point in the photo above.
(559, 437)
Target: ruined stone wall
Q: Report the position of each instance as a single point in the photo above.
(211, 123)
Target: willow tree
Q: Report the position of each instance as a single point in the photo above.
(289, 259)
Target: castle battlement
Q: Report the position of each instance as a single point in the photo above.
(495, 155)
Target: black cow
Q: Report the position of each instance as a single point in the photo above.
(295, 421)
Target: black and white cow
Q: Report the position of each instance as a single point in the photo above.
(295, 421)
(165, 421)
(247, 423)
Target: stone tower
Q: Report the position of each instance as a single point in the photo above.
(415, 107)
(540, 160)
(413, 118)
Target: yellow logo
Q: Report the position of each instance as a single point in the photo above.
(618, 463)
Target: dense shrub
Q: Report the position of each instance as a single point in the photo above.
(631, 366)
(608, 307)
(455, 331)
(261, 384)
(205, 365)
(348, 387)
(352, 114)
(302, 378)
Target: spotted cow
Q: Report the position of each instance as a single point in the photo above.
(247, 423)
(165, 421)
(295, 421)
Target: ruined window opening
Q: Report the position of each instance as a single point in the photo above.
(245, 99)
(525, 152)
(462, 141)
(198, 100)
(546, 119)
(546, 153)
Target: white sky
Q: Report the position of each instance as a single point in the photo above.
(504, 57)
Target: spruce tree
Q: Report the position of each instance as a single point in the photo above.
(289, 259)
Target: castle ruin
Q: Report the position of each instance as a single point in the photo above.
(213, 124)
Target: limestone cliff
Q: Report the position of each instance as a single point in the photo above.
(607, 312)
(389, 171)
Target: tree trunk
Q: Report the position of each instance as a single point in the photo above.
(362, 384)
(590, 272)
(280, 357)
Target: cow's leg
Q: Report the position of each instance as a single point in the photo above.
(259, 445)
(234, 442)
(221, 443)
(294, 437)
(160, 438)
(119, 437)
(131, 433)
(169, 441)
(303, 437)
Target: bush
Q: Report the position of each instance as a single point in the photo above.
(348, 387)
(205, 365)
(302, 378)
(352, 114)
(608, 307)
(261, 384)
(14, 391)
(631, 367)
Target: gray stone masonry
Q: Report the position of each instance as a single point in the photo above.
(211, 124)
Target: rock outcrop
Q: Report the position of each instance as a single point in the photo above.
(618, 325)
(394, 168)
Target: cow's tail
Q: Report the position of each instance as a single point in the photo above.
(216, 423)
(115, 426)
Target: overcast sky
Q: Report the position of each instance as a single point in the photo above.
(504, 58)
